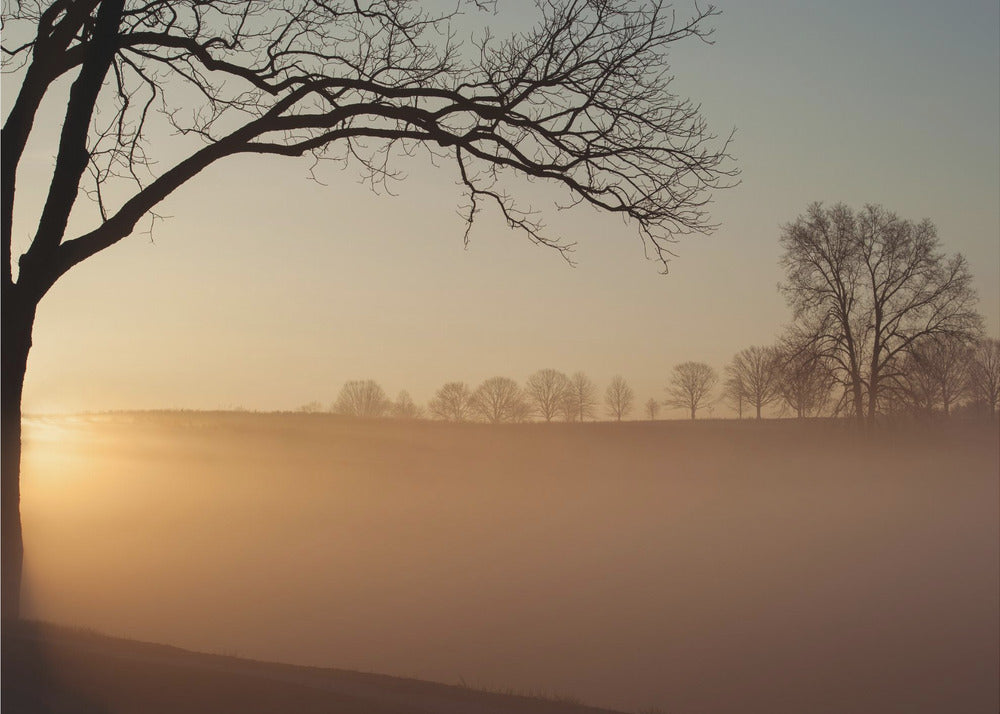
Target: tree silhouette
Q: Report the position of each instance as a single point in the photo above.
(984, 373)
(453, 402)
(805, 379)
(734, 392)
(754, 377)
(498, 400)
(405, 408)
(582, 100)
(652, 409)
(362, 398)
(618, 397)
(690, 386)
(546, 389)
(937, 371)
(864, 287)
(581, 398)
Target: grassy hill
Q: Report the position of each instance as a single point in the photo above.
(62, 670)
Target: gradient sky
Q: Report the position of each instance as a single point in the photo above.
(265, 290)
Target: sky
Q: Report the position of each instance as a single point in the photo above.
(265, 290)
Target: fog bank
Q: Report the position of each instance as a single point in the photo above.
(707, 567)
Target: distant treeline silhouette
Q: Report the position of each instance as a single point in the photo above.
(884, 324)
(940, 376)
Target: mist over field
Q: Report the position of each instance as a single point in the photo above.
(785, 566)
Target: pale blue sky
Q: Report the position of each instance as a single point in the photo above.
(267, 291)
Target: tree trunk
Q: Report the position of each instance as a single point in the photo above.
(692, 411)
(16, 342)
(758, 411)
(872, 403)
(859, 403)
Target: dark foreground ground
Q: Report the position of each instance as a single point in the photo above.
(59, 670)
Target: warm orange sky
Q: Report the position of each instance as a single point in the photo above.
(267, 291)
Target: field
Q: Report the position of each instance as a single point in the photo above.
(687, 567)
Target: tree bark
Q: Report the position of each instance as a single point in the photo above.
(18, 319)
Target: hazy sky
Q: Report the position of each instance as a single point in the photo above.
(266, 290)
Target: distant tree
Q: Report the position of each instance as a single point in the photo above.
(581, 398)
(652, 409)
(405, 408)
(311, 408)
(805, 380)
(453, 402)
(913, 390)
(619, 397)
(691, 386)
(941, 363)
(865, 286)
(499, 399)
(522, 410)
(984, 374)
(734, 393)
(754, 374)
(546, 391)
(362, 398)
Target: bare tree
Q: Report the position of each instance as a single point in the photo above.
(734, 393)
(754, 374)
(619, 397)
(691, 386)
(405, 408)
(362, 398)
(865, 286)
(913, 390)
(984, 374)
(582, 100)
(546, 390)
(311, 408)
(581, 398)
(453, 402)
(652, 409)
(943, 363)
(805, 379)
(499, 399)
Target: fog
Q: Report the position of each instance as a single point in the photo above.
(694, 567)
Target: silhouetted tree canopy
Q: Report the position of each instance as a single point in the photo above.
(500, 399)
(362, 398)
(546, 390)
(805, 380)
(582, 100)
(618, 398)
(581, 398)
(453, 402)
(652, 408)
(935, 373)
(984, 374)
(865, 286)
(405, 408)
(753, 376)
(691, 386)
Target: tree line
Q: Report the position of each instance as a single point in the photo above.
(547, 395)
(934, 378)
(884, 323)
